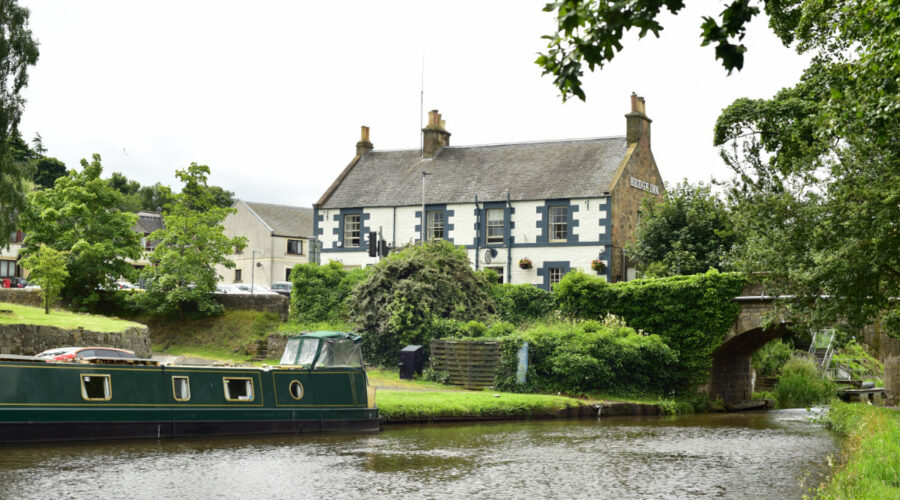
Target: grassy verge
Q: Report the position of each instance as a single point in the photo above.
(401, 406)
(61, 319)
(230, 336)
(871, 453)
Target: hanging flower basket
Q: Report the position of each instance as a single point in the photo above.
(525, 263)
(598, 265)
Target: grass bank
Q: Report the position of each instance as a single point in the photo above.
(870, 465)
(230, 336)
(61, 319)
(412, 406)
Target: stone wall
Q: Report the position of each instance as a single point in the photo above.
(29, 340)
(274, 303)
(275, 345)
(23, 297)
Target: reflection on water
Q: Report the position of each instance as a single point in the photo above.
(757, 455)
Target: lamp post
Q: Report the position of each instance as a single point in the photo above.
(253, 269)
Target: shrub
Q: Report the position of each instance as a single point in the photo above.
(565, 357)
(768, 360)
(319, 291)
(858, 362)
(801, 385)
(690, 313)
(405, 298)
(518, 304)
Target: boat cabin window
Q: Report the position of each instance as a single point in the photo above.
(96, 388)
(181, 388)
(238, 389)
(340, 354)
(296, 389)
(306, 347)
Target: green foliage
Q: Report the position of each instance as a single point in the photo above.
(18, 51)
(319, 291)
(519, 304)
(768, 359)
(189, 246)
(580, 358)
(690, 313)
(398, 406)
(47, 170)
(591, 31)
(871, 453)
(78, 216)
(25, 315)
(800, 385)
(855, 359)
(687, 233)
(47, 269)
(404, 297)
(432, 375)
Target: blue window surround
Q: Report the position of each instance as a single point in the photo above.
(339, 231)
(448, 227)
(508, 224)
(544, 222)
(544, 271)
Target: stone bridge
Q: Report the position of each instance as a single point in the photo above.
(731, 378)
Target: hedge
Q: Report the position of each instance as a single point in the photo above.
(692, 314)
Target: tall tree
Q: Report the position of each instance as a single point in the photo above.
(78, 216)
(47, 170)
(47, 268)
(818, 168)
(689, 232)
(190, 245)
(18, 51)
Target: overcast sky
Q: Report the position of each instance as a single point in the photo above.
(271, 94)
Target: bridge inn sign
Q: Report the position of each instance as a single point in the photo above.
(529, 211)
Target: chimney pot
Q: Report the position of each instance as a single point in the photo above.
(435, 136)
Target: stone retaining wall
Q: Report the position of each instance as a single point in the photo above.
(29, 340)
(23, 297)
(278, 304)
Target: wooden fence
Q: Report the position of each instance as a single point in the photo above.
(471, 364)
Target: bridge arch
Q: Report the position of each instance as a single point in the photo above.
(731, 378)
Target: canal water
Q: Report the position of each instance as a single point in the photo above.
(752, 455)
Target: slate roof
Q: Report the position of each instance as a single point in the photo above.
(571, 168)
(284, 220)
(147, 222)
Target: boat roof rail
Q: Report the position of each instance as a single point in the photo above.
(20, 358)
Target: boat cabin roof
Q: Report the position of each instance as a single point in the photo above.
(329, 335)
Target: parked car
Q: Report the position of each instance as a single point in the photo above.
(282, 287)
(13, 282)
(245, 288)
(76, 353)
(223, 288)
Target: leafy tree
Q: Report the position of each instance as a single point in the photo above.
(319, 291)
(47, 170)
(77, 216)
(818, 182)
(48, 270)
(155, 197)
(405, 294)
(18, 51)
(687, 233)
(190, 245)
(590, 32)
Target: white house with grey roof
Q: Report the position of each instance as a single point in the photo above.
(277, 239)
(558, 204)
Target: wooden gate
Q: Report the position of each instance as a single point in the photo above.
(470, 363)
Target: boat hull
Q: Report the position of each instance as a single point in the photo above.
(70, 402)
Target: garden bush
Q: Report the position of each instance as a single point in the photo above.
(320, 291)
(690, 313)
(580, 358)
(519, 304)
(800, 385)
(408, 296)
(768, 359)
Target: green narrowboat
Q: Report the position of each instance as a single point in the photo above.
(319, 385)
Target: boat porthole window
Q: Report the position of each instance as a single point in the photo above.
(181, 388)
(238, 389)
(296, 389)
(96, 387)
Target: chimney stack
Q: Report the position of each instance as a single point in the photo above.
(637, 123)
(435, 135)
(363, 146)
